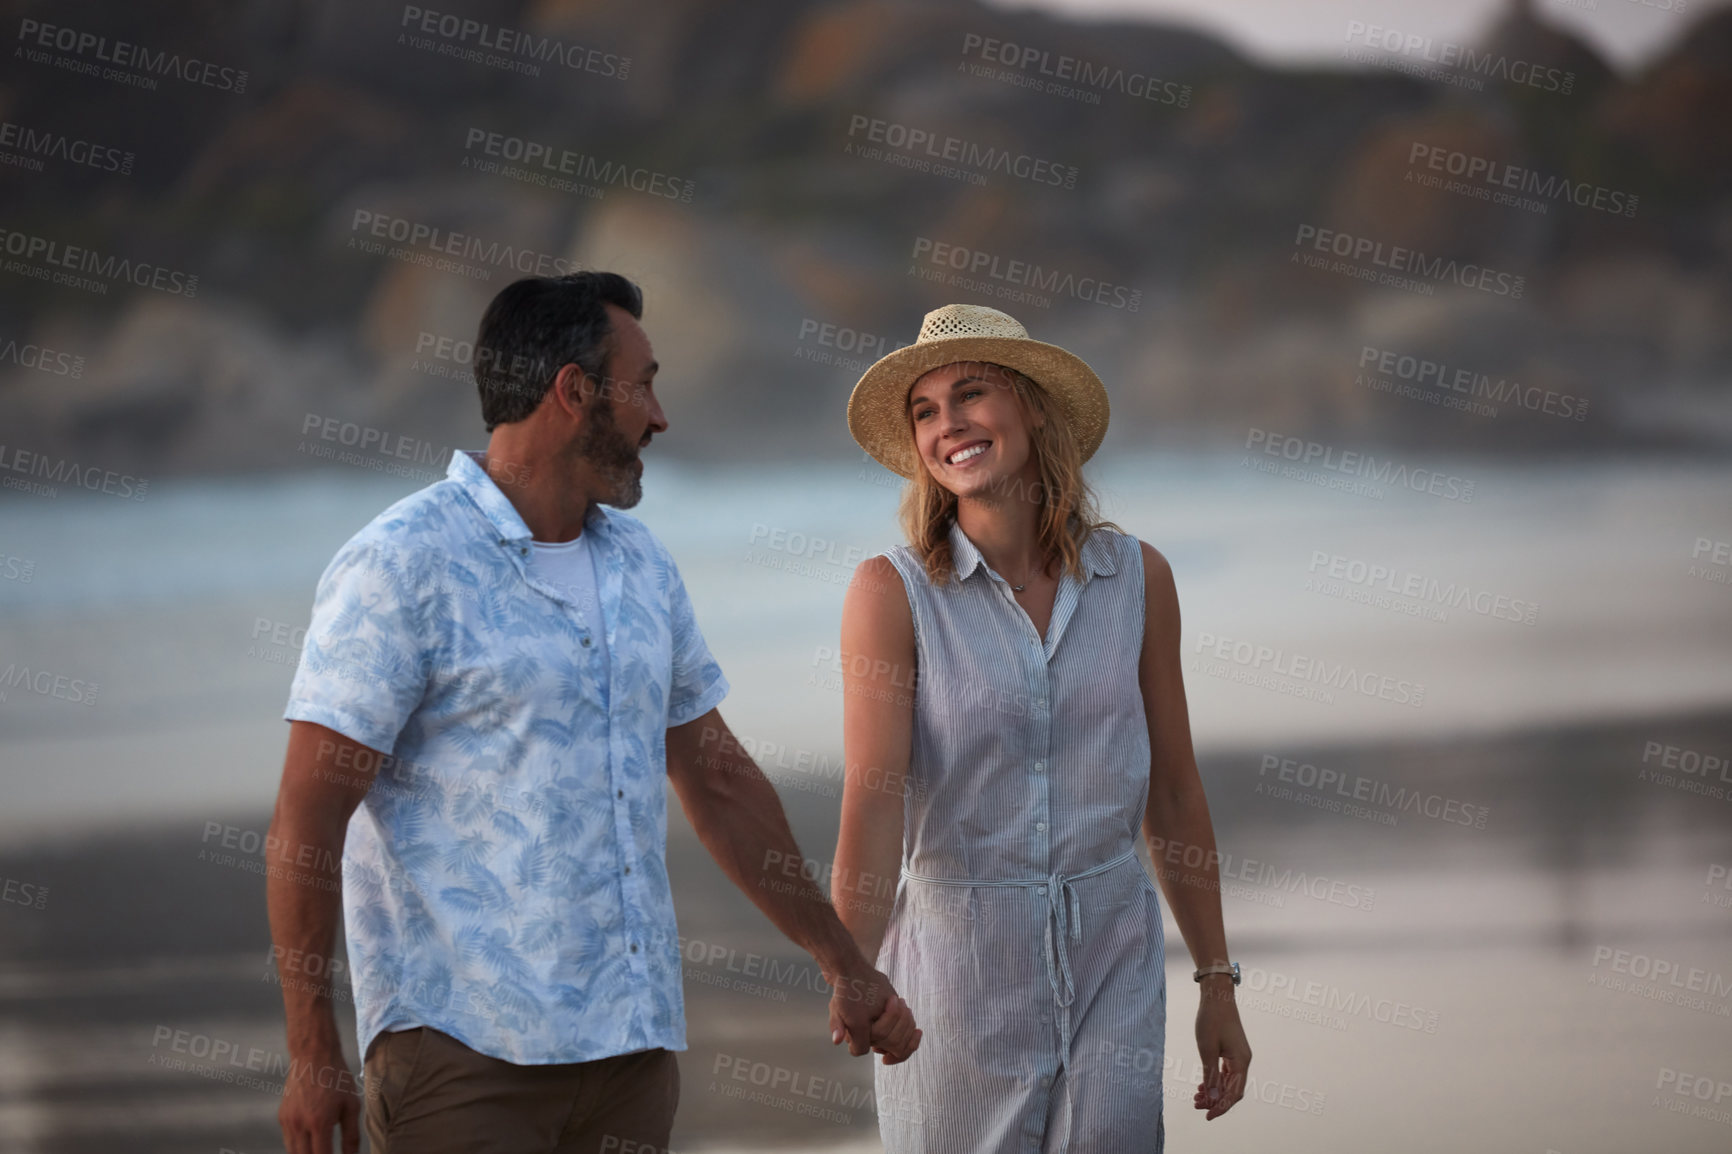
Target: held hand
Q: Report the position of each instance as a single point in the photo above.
(865, 1009)
(1225, 1052)
(317, 1098)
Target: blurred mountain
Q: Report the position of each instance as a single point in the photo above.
(751, 166)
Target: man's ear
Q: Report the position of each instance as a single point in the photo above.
(570, 387)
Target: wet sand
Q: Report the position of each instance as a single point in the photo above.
(1476, 1000)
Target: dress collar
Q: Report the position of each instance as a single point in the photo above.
(1097, 557)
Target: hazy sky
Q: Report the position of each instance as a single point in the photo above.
(1628, 32)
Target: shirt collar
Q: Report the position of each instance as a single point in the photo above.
(465, 469)
(1097, 558)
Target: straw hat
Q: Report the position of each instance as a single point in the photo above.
(878, 407)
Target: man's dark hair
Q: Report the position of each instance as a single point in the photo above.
(539, 324)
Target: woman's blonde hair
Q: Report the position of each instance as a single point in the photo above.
(1067, 503)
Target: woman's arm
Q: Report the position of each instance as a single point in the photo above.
(1182, 839)
(877, 733)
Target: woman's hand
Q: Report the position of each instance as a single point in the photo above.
(1221, 1042)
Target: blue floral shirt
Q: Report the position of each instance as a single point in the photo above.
(505, 879)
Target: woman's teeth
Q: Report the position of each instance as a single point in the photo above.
(967, 454)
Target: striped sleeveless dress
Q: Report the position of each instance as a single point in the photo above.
(1025, 934)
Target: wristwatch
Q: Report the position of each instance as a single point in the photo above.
(1220, 968)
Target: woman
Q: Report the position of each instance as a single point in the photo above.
(1014, 712)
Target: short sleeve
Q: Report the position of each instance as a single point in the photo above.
(696, 685)
(363, 669)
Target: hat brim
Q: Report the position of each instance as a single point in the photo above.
(878, 406)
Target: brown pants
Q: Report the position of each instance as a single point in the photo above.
(428, 1093)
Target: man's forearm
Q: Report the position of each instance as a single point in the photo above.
(306, 907)
(739, 820)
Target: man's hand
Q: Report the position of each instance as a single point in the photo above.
(316, 1099)
(1221, 1043)
(866, 1010)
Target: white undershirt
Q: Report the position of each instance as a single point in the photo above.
(569, 566)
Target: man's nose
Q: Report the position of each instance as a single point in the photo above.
(658, 421)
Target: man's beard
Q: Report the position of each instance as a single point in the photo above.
(606, 448)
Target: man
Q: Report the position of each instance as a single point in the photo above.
(497, 673)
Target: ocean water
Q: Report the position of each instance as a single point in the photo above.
(1556, 593)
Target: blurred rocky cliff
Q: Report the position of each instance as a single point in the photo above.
(796, 182)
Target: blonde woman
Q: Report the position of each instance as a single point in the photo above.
(1014, 715)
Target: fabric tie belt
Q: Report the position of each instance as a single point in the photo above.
(1064, 922)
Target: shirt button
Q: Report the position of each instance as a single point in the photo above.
(627, 869)
(1046, 1017)
(1039, 765)
(523, 549)
(634, 947)
(619, 793)
(1041, 890)
(586, 643)
(1040, 825)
